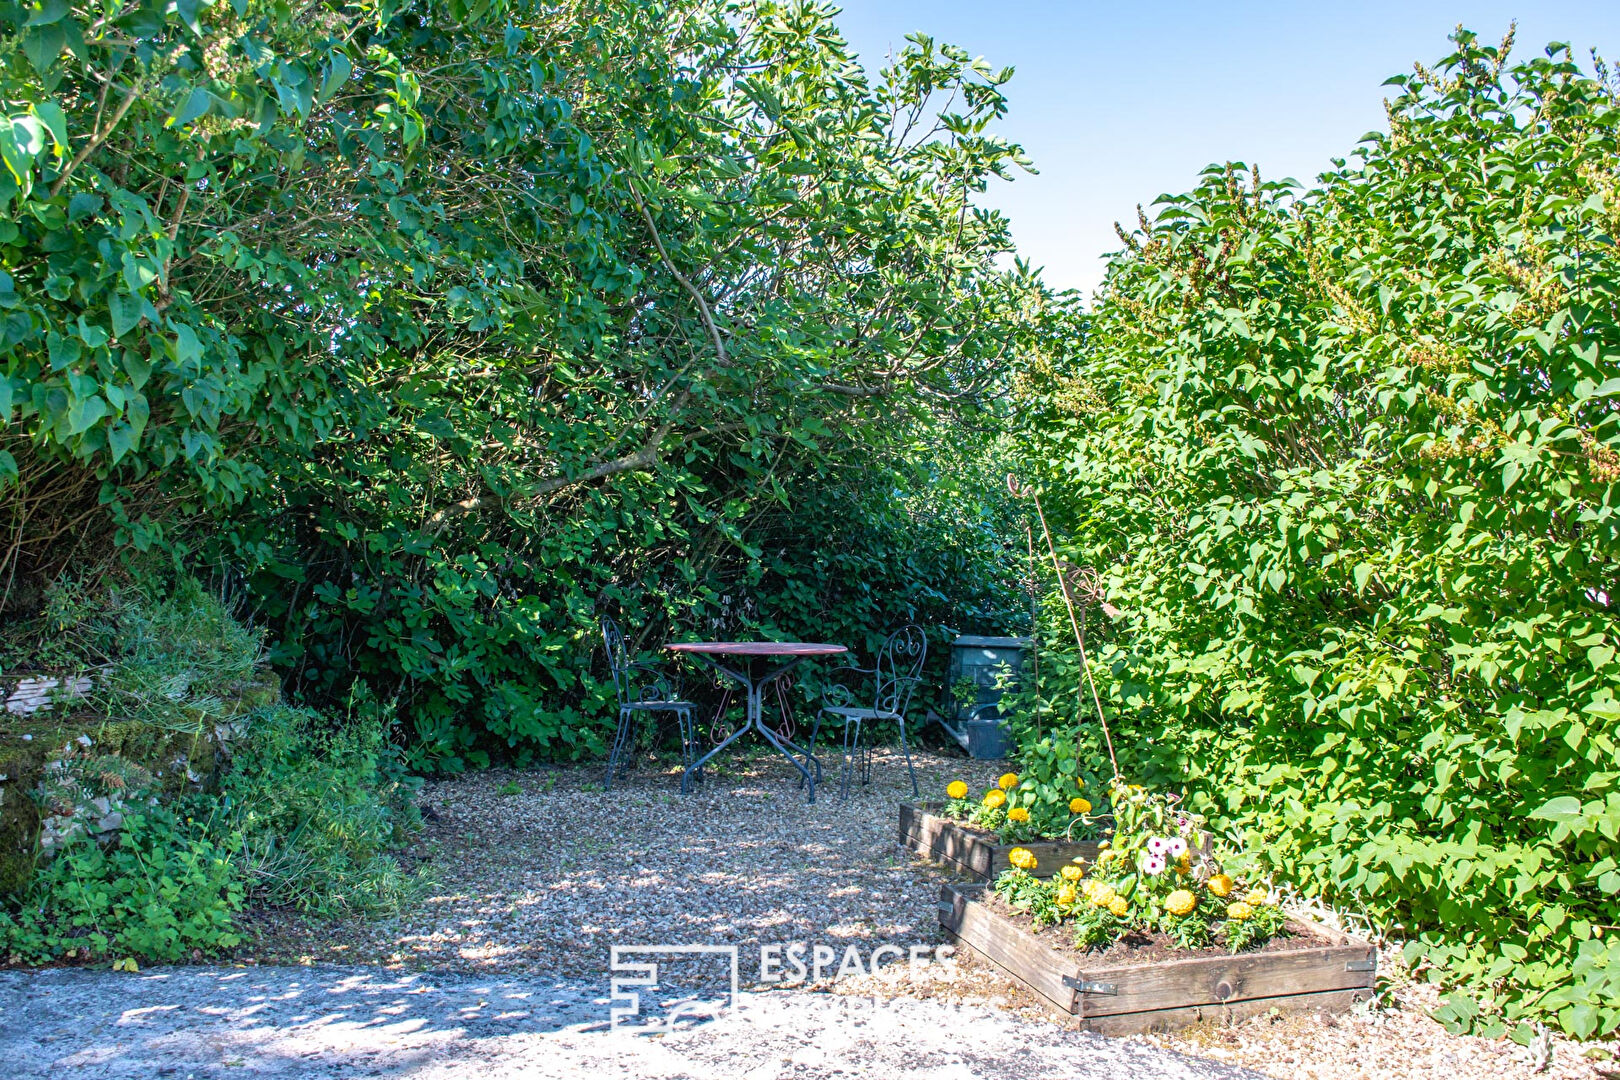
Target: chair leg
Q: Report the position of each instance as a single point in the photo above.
(904, 749)
(684, 718)
(620, 735)
(852, 747)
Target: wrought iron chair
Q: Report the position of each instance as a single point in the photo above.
(643, 690)
(893, 679)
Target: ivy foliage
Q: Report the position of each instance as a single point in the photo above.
(1345, 460)
(447, 322)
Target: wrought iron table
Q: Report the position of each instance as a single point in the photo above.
(724, 657)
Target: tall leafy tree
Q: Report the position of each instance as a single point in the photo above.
(1345, 460)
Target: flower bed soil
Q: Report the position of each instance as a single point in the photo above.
(1316, 969)
(977, 852)
(1138, 948)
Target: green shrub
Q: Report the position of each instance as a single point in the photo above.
(315, 810)
(1346, 463)
(162, 889)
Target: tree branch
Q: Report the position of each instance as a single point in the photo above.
(703, 305)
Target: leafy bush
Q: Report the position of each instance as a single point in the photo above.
(314, 812)
(1346, 460)
(164, 888)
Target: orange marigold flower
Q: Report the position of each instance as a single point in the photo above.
(1008, 781)
(956, 789)
(1018, 813)
(995, 798)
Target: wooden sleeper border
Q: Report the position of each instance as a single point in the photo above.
(1329, 975)
(976, 854)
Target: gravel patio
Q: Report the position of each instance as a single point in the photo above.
(538, 873)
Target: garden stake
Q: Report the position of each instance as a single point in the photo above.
(1018, 491)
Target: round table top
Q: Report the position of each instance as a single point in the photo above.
(758, 648)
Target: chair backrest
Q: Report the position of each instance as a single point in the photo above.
(618, 659)
(899, 668)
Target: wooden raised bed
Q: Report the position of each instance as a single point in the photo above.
(1328, 971)
(979, 854)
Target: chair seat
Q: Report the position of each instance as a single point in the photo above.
(851, 713)
(655, 705)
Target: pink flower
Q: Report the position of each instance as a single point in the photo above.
(1153, 865)
(1175, 847)
(1157, 845)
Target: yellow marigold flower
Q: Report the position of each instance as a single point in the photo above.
(995, 798)
(1119, 907)
(1239, 911)
(1079, 806)
(956, 789)
(1180, 903)
(1221, 885)
(1023, 858)
(1072, 872)
(1103, 895)
(1065, 894)
(1018, 813)
(1256, 896)
(1008, 781)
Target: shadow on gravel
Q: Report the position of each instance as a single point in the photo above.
(204, 1022)
(322, 1023)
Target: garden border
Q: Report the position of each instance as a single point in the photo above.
(978, 854)
(1164, 995)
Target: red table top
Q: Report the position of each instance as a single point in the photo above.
(758, 648)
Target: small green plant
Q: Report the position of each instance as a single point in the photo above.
(1044, 804)
(316, 809)
(511, 787)
(162, 889)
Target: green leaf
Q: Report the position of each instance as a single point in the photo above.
(48, 12)
(21, 140)
(85, 413)
(1563, 808)
(55, 120)
(187, 10)
(43, 44)
(126, 312)
(338, 70)
(1361, 573)
(138, 271)
(8, 469)
(120, 440)
(197, 104)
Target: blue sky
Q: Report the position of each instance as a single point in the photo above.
(1118, 102)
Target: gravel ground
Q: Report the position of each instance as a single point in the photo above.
(542, 882)
(324, 1023)
(547, 879)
